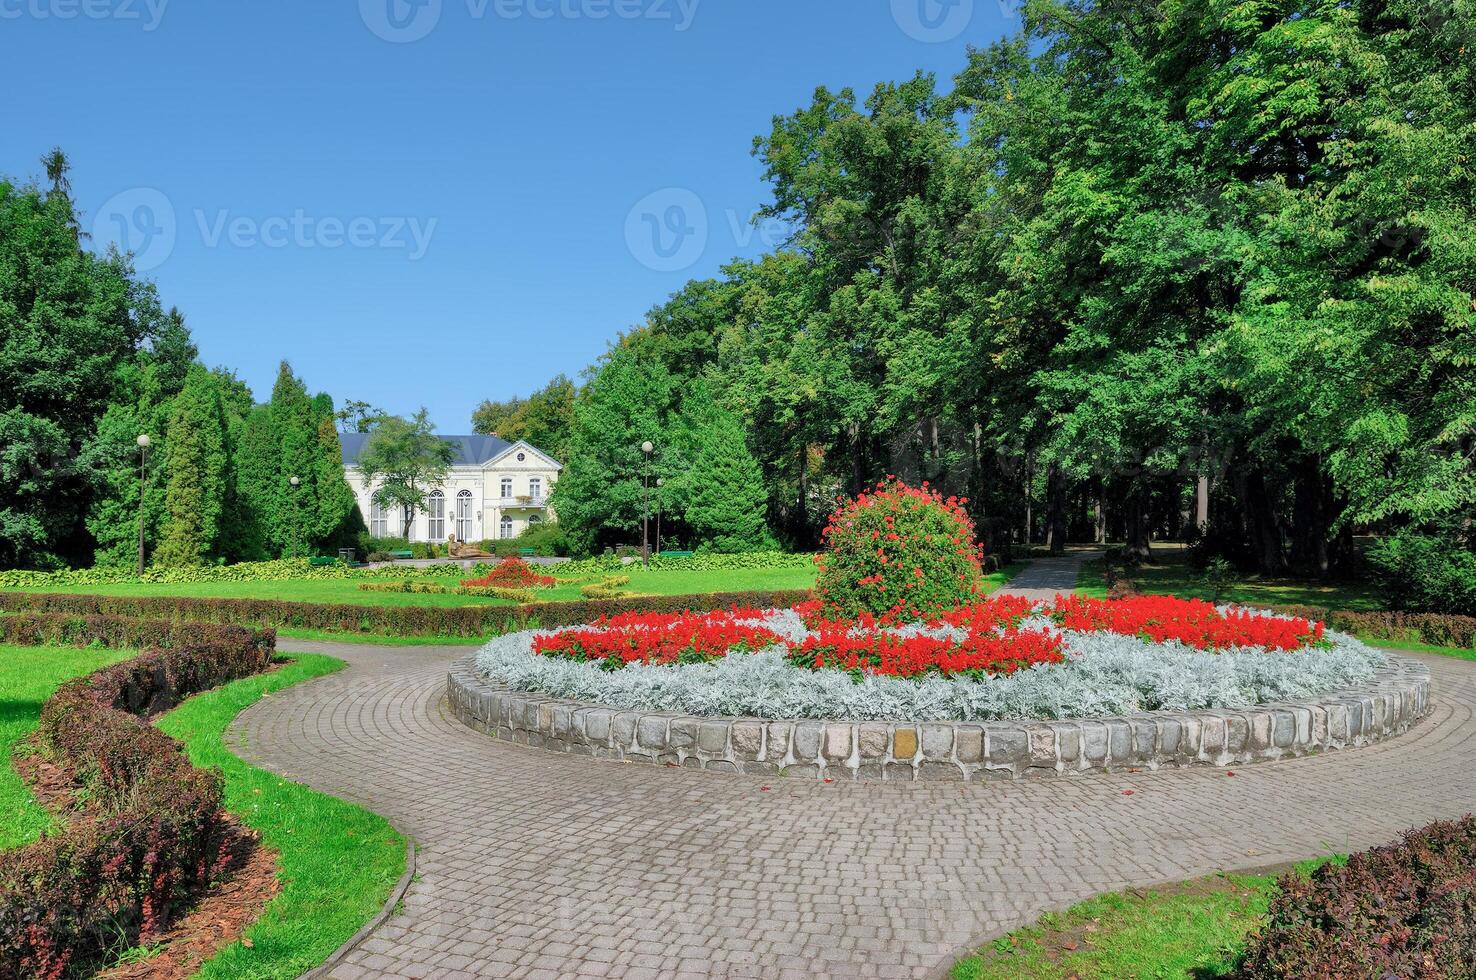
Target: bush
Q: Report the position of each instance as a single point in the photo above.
(511, 573)
(548, 539)
(1407, 909)
(152, 832)
(476, 620)
(1421, 573)
(899, 553)
(282, 570)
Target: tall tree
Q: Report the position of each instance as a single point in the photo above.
(195, 474)
(720, 491)
(402, 461)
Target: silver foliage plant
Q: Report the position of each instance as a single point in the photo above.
(1105, 674)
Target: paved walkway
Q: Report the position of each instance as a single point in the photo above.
(541, 865)
(1043, 578)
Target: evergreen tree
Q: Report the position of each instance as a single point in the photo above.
(294, 510)
(720, 492)
(258, 472)
(194, 473)
(338, 519)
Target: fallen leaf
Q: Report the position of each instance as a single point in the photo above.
(1128, 792)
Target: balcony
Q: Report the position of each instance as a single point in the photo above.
(525, 502)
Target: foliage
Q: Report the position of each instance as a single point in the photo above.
(719, 494)
(547, 539)
(511, 573)
(898, 553)
(1218, 575)
(1404, 909)
(195, 468)
(152, 833)
(543, 419)
(1426, 574)
(406, 460)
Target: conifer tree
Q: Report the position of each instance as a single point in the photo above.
(194, 474)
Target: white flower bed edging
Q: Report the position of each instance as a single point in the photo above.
(1393, 699)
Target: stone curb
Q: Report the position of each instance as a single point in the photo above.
(396, 895)
(1392, 701)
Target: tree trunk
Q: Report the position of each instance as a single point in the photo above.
(1202, 502)
(1139, 545)
(1261, 522)
(1056, 511)
(1099, 518)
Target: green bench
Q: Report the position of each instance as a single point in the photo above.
(527, 552)
(674, 554)
(321, 561)
(405, 553)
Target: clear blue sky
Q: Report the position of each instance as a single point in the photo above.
(301, 146)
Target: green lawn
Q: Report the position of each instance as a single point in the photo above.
(1192, 931)
(337, 861)
(28, 676)
(653, 582)
(1170, 574)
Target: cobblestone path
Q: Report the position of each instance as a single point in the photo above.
(542, 865)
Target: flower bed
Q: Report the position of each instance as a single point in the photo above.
(1004, 658)
(511, 573)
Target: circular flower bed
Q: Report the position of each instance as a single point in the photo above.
(1001, 658)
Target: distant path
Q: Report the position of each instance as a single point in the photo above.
(1043, 578)
(541, 865)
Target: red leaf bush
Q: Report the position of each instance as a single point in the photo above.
(1406, 909)
(152, 833)
(898, 553)
(511, 573)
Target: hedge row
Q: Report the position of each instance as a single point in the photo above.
(1407, 909)
(466, 621)
(281, 570)
(152, 832)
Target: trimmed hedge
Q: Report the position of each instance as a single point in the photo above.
(467, 621)
(1436, 629)
(1407, 909)
(152, 832)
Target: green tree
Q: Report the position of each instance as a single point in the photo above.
(258, 476)
(720, 491)
(194, 474)
(406, 459)
(338, 519)
(295, 435)
(543, 419)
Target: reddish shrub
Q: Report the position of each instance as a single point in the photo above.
(152, 833)
(511, 573)
(1407, 909)
(899, 553)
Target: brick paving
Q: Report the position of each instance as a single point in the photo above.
(542, 865)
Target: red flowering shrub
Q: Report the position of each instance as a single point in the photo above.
(889, 655)
(1192, 621)
(899, 553)
(511, 573)
(659, 638)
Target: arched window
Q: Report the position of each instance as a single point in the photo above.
(507, 528)
(464, 515)
(534, 519)
(378, 520)
(436, 510)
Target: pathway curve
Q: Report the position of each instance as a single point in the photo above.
(1043, 578)
(541, 865)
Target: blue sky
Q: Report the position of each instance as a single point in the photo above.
(432, 202)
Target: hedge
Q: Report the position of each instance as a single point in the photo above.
(1407, 909)
(152, 832)
(467, 621)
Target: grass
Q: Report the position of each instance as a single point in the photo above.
(28, 677)
(1171, 574)
(1192, 930)
(652, 582)
(337, 861)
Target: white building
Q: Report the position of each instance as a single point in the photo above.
(495, 489)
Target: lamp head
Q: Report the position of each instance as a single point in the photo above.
(647, 448)
(143, 441)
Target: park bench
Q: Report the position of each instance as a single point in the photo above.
(527, 552)
(402, 554)
(674, 554)
(321, 561)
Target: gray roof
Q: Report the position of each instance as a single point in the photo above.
(470, 450)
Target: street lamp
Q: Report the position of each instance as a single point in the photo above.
(143, 478)
(648, 449)
(659, 483)
(296, 516)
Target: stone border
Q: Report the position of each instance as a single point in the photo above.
(1396, 698)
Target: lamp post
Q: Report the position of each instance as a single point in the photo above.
(143, 480)
(648, 449)
(296, 516)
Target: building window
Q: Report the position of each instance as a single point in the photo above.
(378, 520)
(534, 519)
(464, 515)
(507, 528)
(437, 513)
(522, 457)
(535, 489)
(507, 488)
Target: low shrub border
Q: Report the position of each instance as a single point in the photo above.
(467, 621)
(1396, 698)
(1401, 910)
(152, 831)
